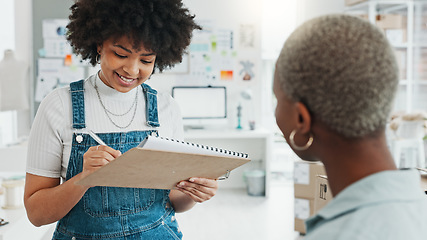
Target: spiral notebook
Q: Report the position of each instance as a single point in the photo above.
(160, 163)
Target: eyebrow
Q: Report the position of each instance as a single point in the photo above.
(129, 51)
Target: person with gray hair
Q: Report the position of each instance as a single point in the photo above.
(335, 81)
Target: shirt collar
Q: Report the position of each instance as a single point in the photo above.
(380, 187)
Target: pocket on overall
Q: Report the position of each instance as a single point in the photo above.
(115, 201)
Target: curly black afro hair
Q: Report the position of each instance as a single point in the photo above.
(162, 26)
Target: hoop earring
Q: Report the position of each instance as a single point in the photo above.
(295, 146)
(98, 58)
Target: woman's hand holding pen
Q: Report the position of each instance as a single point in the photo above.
(199, 189)
(98, 156)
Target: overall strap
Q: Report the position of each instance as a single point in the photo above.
(151, 105)
(78, 104)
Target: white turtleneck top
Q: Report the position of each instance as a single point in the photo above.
(49, 145)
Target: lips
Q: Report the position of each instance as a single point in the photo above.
(127, 80)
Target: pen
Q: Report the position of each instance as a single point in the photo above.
(96, 138)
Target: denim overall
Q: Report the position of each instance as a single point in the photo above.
(113, 212)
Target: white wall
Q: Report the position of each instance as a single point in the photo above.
(228, 15)
(7, 42)
(278, 18)
(7, 26)
(308, 9)
(16, 34)
(23, 30)
(23, 52)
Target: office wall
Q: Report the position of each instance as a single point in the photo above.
(23, 30)
(28, 15)
(279, 20)
(225, 14)
(23, 46)
(308, 9)
(44, 9)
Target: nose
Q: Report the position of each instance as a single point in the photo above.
(132, 67)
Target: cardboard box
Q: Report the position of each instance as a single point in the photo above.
(299, 226)
(305, 178)
(353, 2)
(424, 183)
(423, 173)
(388, 21)
(323, 193)
(391, 21)
(303, 209)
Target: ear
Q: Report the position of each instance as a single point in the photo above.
(99, 48)
(304, 118)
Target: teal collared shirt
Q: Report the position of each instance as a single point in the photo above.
(388, 205)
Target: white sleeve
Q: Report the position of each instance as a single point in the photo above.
(44, 156)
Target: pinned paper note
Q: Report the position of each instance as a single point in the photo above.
(68, 60)
(301, 173)
(247, 70)
(53, 73)
(56, 47)
(247, 34)
(227, 75)
(302, 208)
(45, 84)
(54, 28)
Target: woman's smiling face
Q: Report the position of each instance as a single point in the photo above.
(123, 67)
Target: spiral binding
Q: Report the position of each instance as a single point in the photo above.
(220, 150)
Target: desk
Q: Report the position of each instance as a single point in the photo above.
(19, 227)
(258, 144)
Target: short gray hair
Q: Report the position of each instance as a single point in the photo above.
(344, 70)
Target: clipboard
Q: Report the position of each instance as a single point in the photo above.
(158, 169)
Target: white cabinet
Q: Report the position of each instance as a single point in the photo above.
(255, 143)
(13, 158)
(407, 32)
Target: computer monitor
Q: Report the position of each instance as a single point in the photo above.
(201, 106)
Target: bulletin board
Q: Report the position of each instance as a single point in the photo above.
(219, 54)
(226, 52)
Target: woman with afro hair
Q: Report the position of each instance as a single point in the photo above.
(129, 39)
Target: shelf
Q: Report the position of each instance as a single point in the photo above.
(400, 45)
(410, 86)
(357, 7)
(414, 82)
(223, 134)
(388, 8)
(420, 45)
(420, 82)
(382, 6)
